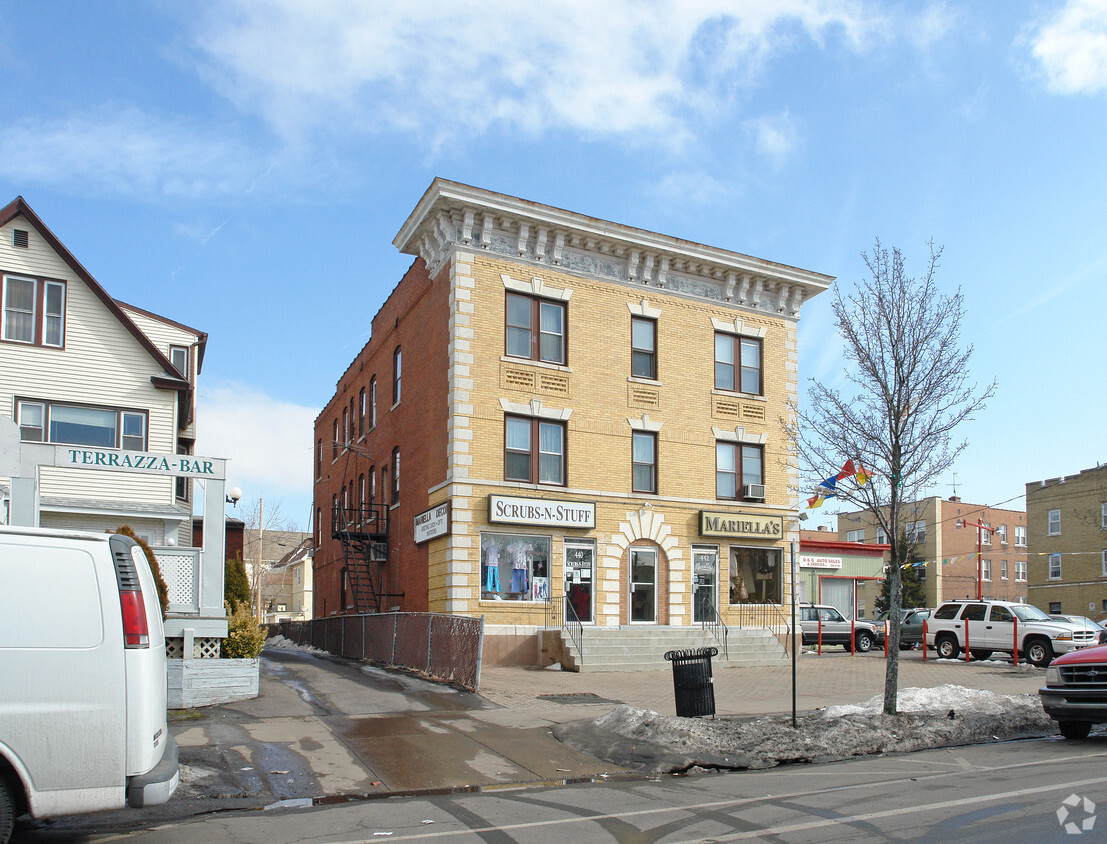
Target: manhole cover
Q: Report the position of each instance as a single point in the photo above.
(577, 697)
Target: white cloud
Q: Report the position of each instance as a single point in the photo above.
(446, 69)
(775, 137)
(1071, 48)
(124, 151)
(268, 442)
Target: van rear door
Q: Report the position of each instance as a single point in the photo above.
(63, 673)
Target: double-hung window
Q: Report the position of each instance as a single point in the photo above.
(534, 450)
(91, 426)
(916, 531)
(1054, 518)
(738, 363)
(855, 535)
(395, 475)
(372, 402)
(1020, 571)
(1020, 535)
(361, 414)
(397, 362)
(535, 328)
(178, 356)
(1103, 564)
(644, 460)
(1054, 566)
(739, 468)
(643, 348)
(34, 311)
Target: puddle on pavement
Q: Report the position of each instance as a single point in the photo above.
(386, 726)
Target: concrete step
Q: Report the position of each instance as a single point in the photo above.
(643, 648)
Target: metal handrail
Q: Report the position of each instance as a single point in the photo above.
(765, 615)
(716, 625)
(555, 617)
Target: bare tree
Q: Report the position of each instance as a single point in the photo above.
(260, 518)
(907, 389)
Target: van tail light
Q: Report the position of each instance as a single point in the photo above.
(136, 633)
(136, 629)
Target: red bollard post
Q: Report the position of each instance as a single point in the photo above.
(1015, 650)
(924, 640)
(820, 648)
(966, 640)
(852, 639)
(885, 638)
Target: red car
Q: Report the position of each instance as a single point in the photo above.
(1075, 693)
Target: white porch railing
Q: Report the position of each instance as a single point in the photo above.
(180, 569)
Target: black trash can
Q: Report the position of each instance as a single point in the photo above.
(692, 681)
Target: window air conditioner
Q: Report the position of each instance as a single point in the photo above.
(753, 491)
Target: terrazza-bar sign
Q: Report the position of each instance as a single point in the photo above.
(749, 525)
(541, 511)
(139, 462)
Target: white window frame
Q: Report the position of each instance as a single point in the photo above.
(1103, 515)
(881, 537)
(123, 441)
(1002, 569)
(1020, 535)
(1020, 571)
(40, 427)
(916, 531)
(183, 367)
(1053, 570)
(985, 534)
(40, 318)
(1103, 564)
(855, 535)
(986, 570)
(1053, 523)
(1001, 532)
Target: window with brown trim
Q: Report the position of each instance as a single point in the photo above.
(644, 461)
(396, 475)
(34, 311)
(397, 361)
(738, 364)
(738, 467)
(534, 450)
(535, 328)
(643, 348)
(361, 414)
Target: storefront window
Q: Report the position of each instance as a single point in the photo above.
(514, 567)
(756, 576)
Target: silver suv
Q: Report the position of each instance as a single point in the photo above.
(988, 626)
(834, 628)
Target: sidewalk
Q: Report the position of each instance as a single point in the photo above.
(835, 677)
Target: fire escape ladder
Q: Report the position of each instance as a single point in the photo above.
(363, 533)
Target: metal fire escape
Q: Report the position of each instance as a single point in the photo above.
(363, 532)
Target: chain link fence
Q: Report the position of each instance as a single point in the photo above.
(444, 647)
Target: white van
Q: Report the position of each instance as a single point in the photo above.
(82, 677)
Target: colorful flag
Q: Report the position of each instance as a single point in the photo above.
(847, 470)
(815, 500)
(862, 475)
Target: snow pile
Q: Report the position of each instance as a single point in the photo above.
(940, 717)
(938, 699)
(280, 643)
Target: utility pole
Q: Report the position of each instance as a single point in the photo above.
(257, 565)
(980, 528)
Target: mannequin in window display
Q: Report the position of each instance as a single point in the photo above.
(492, 566)
(519, 552)
(739, 594)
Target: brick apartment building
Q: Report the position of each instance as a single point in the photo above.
(557, 411)
(945, 536)
(1067, 519)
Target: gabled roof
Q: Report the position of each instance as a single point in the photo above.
(18, 207)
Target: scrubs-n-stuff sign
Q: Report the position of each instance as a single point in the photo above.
(541, 511)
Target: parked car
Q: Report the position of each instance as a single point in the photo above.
(910, 627)
(990, 626)
(1075, 693)
(83, 695)
(1083, 621)
(834, 628)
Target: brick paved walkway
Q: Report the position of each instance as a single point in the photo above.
(832, 678)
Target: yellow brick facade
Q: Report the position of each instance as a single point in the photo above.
(692, 292)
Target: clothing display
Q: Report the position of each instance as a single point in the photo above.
(492, 563)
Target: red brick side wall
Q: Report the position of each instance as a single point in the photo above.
(416, 318)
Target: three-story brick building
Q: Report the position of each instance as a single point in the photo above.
(556, 410)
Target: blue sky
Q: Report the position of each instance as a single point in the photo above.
(243, 166)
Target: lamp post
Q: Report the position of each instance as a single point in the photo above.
(800, 517)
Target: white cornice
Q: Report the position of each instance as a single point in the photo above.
(450, 215)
